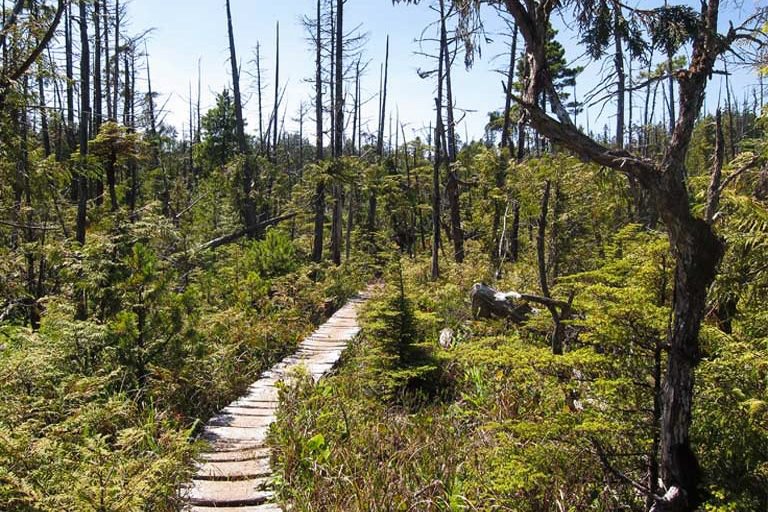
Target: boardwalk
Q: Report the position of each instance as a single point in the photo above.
(234, 475)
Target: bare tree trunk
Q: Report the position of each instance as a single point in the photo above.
(383, 109)
(277, 91)
(317, 245)
(372, 199)
(248, 206)
(45, 134)
(338, 138)
(436, 185)
(165, 195)
(97, 92)
(507, 126)
(452, 185)
(514, 239)
(350, 222)
(70, 74)
(448, 57)
(116, 79)
(713, 195)
(107, 59)
(729, 107)
(356, 109)
(621, 77)
(438, 157)
(259, 94)
(558, 333)
(85, 115)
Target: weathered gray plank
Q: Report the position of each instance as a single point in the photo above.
(234, 475)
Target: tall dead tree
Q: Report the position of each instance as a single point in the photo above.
(372, 195)
(107, 60)
(97, 91)
(452, 190)
(259, 94)
(85, 116)
(338, 131)
(248, 206)
(621, 76)
(116, 74)
(317, 244)
(437, 164)
(70, 81)
(507, 124)
(277, 93)
(501, 173)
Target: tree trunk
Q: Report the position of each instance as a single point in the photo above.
(116, 79)
(338, 139)
(97, 93)
(621, 78)
(45, 134)
(85, 115)
(713, 195)
(70, 81)
(507, 126)
(277, 91)
(436, 185)
(259, 94)
(447, 56)
(452, 185)
(248, 206)
(514, 239)
(317, 245)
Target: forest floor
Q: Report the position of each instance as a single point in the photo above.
(234, 473)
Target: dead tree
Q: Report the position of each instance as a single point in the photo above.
(273, 152)
(85, 116)
(317, 245)
(248, 206)
(338, 137)
(452, 190)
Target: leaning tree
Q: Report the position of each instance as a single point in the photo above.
(697, 248)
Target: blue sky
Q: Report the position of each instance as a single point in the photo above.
(188, 30)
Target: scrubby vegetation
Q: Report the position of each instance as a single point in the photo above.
(148, 275)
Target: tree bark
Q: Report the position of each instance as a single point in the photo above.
(277, 92)
(436, 185)
(452, 191)
(621, 78)
(338, 138)
(97, 92)
(697, 249)
(317, 244)
(248, 206)
(713, 194)
(85, 115)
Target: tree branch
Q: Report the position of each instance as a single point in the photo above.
(585, 147)
(233, 237)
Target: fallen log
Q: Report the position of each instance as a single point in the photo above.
(488, 302)
(233, 237)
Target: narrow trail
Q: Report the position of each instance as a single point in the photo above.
(234, 475)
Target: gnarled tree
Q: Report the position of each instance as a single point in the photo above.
(697, 248)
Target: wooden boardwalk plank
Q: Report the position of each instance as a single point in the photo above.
(234, 475)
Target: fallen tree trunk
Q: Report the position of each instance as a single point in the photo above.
(233, 237)
(488, 302)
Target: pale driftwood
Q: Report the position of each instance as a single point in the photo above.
(488, 302)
